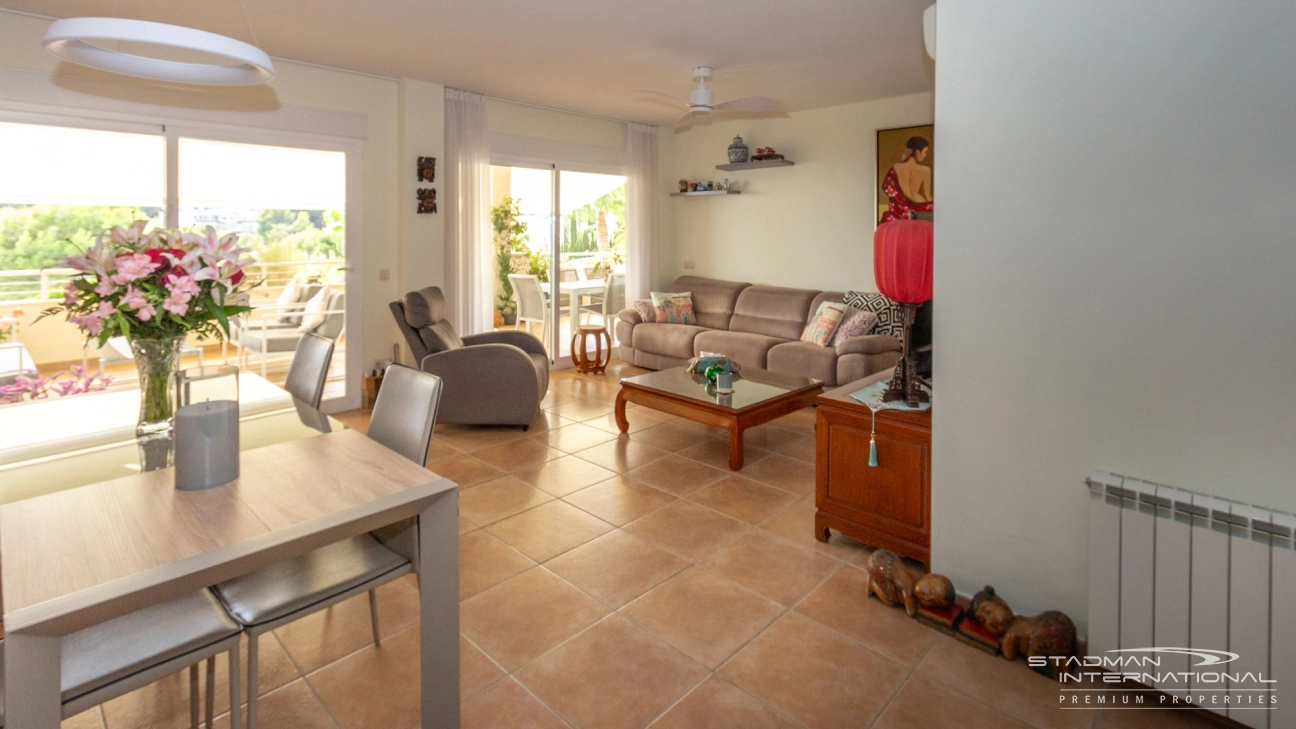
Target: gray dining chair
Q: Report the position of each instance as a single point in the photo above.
(402, 420)
(115, 658)
(309, 369)
(532, 301)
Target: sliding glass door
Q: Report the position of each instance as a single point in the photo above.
(559, 251)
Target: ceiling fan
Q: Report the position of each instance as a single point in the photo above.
(701, 105)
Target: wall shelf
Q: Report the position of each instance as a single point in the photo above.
(706, 192)
(756, 165)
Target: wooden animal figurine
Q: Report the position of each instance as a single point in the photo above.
(991, 612)
(934, 591)
(890, 580)
(1048, 634)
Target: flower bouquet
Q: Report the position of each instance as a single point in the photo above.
(154, 287)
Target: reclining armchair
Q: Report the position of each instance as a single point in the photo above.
(496, 378)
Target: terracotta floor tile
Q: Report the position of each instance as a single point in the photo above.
(796, 524)
(621, 455)
(465, 526)
(472, 438)
(619, 500)
(557, 396)
(580, 682)
(921, 704)
(549, 530)
(518, 454)
(489, 502)
(476, 669)
(802, 420)
(580, 410)
(686, 529)
(294, 706)
(517, 620)
(772, 566)
(743, 499)
(718, 704)
(770, 436)
(1007, 686)
(1156, 719)
(715, 453)
(507, 705)
(164, 704)
(438, 451)
(677, 475)
(616, 568)
(700, 431)
(638, 419)
(706, 616)
(574, 437)
(562, 476)
(375, 688)
(485, 561)
(546, 421)
(800, 447)
(325, 636)
(669, 436)
(842, 603)
(814, 675)
(779, 471)
(465, 471)
(88, 719)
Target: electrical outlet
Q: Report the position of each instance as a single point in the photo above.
(384, 274)
(689, 265)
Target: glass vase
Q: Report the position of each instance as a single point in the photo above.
(157, 361)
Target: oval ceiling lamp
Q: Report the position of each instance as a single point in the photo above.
(79, 40)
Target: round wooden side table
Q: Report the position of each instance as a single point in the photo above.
(581, 355)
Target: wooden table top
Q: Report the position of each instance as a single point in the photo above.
(101, 542)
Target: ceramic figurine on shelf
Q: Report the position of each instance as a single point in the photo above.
(991, 612)
(693, 187)
(737, 151)
(934, 591)
(724, 184)
(684, 185)
(890, 580)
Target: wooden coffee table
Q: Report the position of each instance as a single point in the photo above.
(758, 397)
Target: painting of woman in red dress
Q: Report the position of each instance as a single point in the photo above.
(906, 183)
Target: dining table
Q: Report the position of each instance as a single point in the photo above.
(575, 291)
(93, 528)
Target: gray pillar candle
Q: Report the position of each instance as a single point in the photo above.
(206, 444)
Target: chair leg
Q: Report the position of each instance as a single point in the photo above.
(236, 700)
(373, 614)
(193, 697)
(211, 692)
(252, 682)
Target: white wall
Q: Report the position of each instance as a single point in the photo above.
(808, 226)
(1116, 269)
(390, 113)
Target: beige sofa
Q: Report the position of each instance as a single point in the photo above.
(757, 326)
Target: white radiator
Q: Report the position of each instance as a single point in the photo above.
(1173, 568)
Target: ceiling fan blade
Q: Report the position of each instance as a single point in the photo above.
(750, 103)
(689, 119)
(659, 96)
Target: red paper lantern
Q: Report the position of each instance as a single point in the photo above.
(902, 260)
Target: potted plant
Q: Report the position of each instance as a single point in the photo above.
(511, 253)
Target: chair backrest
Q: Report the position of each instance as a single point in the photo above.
(405, 411)
(613, 295)
(529, 296)
(309, 368)
(333, 323)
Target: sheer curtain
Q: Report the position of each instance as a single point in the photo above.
(469, 286)
(641, 209)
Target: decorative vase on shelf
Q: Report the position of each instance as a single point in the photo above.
(738, 151)
(157, 361)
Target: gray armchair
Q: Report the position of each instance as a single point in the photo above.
(496, 378)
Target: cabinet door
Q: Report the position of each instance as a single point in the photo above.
(891, 495)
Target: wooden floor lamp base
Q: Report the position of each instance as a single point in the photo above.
(904, 385)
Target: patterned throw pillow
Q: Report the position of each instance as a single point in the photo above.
(646, 310)
(824, 322)
(888, 312)
(854, 323)
(673, 308)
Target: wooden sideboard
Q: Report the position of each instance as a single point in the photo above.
(887, 506)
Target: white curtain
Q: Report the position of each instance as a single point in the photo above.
(641, 209)
(469, 286)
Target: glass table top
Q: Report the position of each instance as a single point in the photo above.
(103, 453)
(753, 387)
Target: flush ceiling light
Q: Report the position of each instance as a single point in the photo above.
(80, 40)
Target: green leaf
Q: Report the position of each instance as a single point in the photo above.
(223, 318)
(124, 324)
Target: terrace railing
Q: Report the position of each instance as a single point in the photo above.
(47, 283)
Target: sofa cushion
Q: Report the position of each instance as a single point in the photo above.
(823, 324)
(804, 359)
(672, 340)
(672, 308)
(890, 318)
(745, 348)
(854, 323)
(713, 299)
(772, 311)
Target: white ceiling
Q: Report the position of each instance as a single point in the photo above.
(583, 55)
